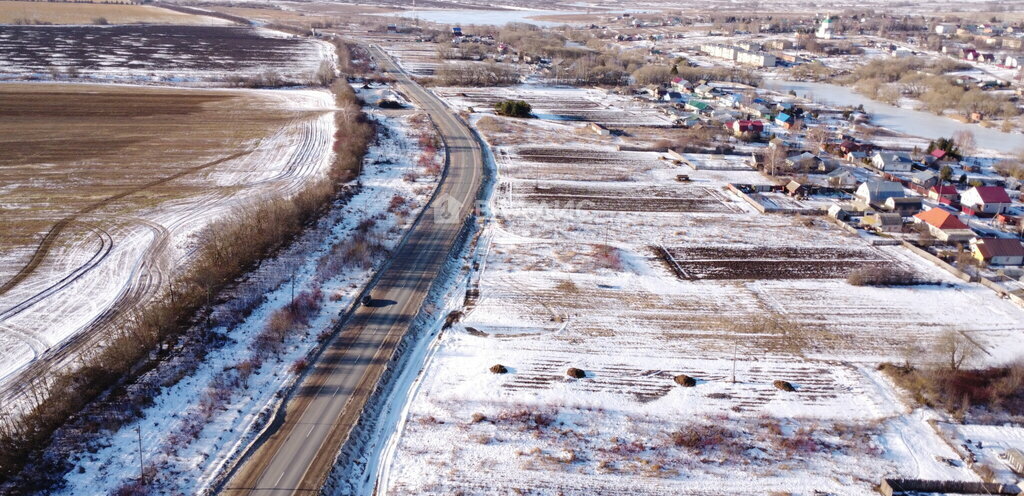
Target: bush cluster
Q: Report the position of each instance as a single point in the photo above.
(513, 108)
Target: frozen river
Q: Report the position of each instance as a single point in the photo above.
(913, 122)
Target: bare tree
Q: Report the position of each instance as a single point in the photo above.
(965, 141)
(955, 349)
(775, 156)
(816, 138)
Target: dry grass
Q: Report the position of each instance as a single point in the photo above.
(110, 151)
(88, 13)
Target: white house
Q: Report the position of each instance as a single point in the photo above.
(876, 192)
(891, 162)
(985, 200)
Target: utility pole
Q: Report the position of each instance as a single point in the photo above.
(142, 472)
(734, 361)
(293, 285)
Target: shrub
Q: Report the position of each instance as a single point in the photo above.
(479, 417)
(513, 108)
(100, 21)
(685, 380)
(701, 437)
(880, 275)
(300, 365)
(784, 386)
(498, 369)
(575, 373)
(389, 104)
(999, 389)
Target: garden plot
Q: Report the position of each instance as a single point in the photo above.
(621, 199)
(570, 284)
(759, 262)
(152, 53)
(717, 162)
(419, 59)
(575, 164)
(562, 104)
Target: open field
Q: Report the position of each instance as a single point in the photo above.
(17, 12)
(99, 208)
(571, 277)
(152, 54)
(562, 104)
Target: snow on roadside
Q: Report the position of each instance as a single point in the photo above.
(167, 452)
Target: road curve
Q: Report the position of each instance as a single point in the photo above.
(299, 454)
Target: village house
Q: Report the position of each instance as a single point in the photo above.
(841, 178)
(876, 192)
(856, 157)
(757, 109)
(698, 106)
(945, 29)
(674, 97)
(883, 221)
(681, 85)
(923, 180)
(944, 194)
(891, 162)
(705, 90)
(795, 188)
(785, 120)
(985, 201)
(805, 161)
(944, 226)
(745, 126)
(998, 251)
(906, 206)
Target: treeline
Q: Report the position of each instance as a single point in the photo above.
(227, 250)
(889, 80)
(470, 74)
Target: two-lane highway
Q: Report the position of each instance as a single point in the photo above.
(298, 456)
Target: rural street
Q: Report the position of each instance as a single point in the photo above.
(298, 456)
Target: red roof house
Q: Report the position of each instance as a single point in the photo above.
(998, 251)
(985, 200)
(744, 126)
(938, 153)
(944, 194)
(944, 225)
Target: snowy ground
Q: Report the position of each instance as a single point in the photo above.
(198, 421)
(130, 257)
(571, 277)
(152, 54)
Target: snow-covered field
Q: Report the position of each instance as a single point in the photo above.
(186, 441)
(152, 54)
(570, 276)
(126, 256)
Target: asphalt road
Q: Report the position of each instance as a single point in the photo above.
(297, 458)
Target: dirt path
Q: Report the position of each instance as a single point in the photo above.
(48, 241)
